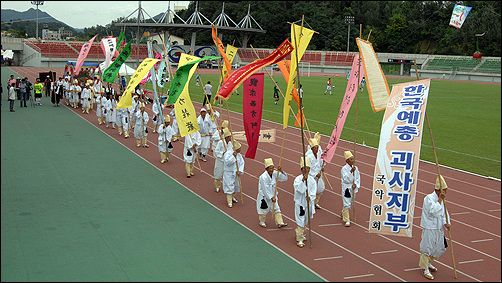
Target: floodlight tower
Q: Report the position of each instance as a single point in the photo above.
(350, 21)
(37, 3)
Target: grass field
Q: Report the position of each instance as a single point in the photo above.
(464, 117)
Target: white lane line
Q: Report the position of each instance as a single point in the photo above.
(358, 276)
(458, 213)
(494, 209)
(470, 261)
(485, 240)
(333, 257)
(382, 252)
(334, 224)
(411, 269)
(276, 229)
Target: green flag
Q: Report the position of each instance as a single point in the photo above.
(120, 39)
(111, 72)
(181, 77)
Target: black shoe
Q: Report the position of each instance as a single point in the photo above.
(12, 111)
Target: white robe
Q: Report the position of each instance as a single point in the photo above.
(347, 181)
(191, 140)
(86, 95)
(315, 168)
(266, 190)
(205, 127)
(432, 221)
(108, 106)
(300, 198)
(174, 122)
(100, 106)
(156, 114)
(165, 136)
(230, 178)
(218, 153)
(141, 122)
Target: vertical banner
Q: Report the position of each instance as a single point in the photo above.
(458, 15)
(145, 79)
(350, 94)
(83, 54)
(143, 68)
(284, 66)
(378, 89)
(237, 77)
(111, 72)
(230, 52)
(161, 73)
(219, 45)
(109, 47)
(252, 104)
(396, 168)
(303, 36)
(186, 117)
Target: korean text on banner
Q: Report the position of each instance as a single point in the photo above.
(181, 77)
(396, 168)
(144, 67)
(458, 15)
(266, 135)
(303, 36)
(109, 45)
(239, 75)
(378, 89)
(147, 77)
(252, 106)
(83, 54)
(186, 117)
(350, 92)
(111, 72)
(219, 45)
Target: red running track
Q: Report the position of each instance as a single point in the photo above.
(339, 253)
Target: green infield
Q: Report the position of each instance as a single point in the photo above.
(464, 117)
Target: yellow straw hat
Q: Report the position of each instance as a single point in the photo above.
(167, 118)
(268, 162)
(443, 183)
(236, 145)
(224, 124)
(226, 133)
(347, 154)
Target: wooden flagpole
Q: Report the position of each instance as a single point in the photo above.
(301, 126)
(440, 185)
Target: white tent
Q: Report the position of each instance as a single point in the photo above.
(7, 54)
(124, 69)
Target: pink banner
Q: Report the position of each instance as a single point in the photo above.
(350, 93)
(83, 54)
(145, 79)
(252, 104)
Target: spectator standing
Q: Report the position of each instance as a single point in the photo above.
(208, 89)
(22, 93)
(38, 91)
(276, 94)
(47, 84)
(12, 96)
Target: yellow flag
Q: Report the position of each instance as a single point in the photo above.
(302, 35)
(144, 67)
(186, 117)
(230, 53)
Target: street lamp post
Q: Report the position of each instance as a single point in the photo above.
(349, 20)
(37, 3)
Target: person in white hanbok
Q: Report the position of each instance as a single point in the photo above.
(120, 117)
(219, 151)
(192, 141)
(214, 115)
(305, 192)
(217, 135)
(351, 181)
(109, 115)
(134, 109)
(231, 181)
(204, 122)
(433, 243)
(76, 93)
(156, 116)
(267, 199)
(67, 93)
(165, 132)
(96, 90)
(176, 135)
(316, 168)
(100, 109)
(140, 130)
(86, 98)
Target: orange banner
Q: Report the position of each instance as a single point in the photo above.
(396, 168)
(241, 74)
(285, 66)
(219, 45)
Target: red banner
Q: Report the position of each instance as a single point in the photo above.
(252, 104)
(238, 76)
(83, 54)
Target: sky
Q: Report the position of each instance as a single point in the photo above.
(82, 14)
